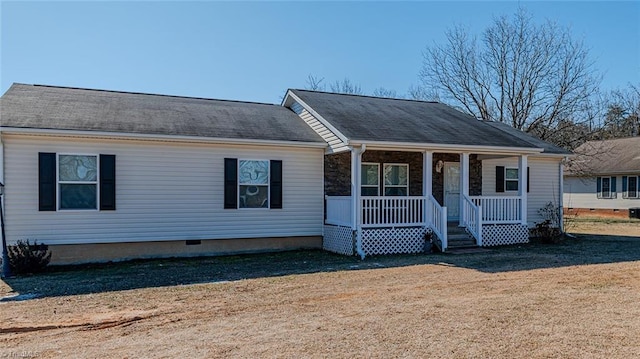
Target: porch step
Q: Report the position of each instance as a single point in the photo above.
(460, 240)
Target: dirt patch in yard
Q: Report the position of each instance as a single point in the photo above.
(603, 226)
(576, 299)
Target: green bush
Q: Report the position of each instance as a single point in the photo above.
(27, 258)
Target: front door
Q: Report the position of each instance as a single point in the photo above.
(452, 190)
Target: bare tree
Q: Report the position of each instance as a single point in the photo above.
(383, 92)
(530, 76)
(346, 86)
(314, 83)
(623, 113)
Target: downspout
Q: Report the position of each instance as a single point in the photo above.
(561, 196)
(1, 158)
(356, 198)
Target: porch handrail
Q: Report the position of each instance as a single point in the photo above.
(388, 211)
(338, 210)
(499, 209)
(438, 220)
(472, 215)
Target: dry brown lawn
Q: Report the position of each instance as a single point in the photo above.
(579, 299)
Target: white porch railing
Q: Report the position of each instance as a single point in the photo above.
(438, 220)
(472, 215)
(339, 210)
(392, 211)
(499, 209)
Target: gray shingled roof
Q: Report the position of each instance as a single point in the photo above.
(617, 156)
(62, 108)
(364, 118)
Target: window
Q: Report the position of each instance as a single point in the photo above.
(253, 184)
(631, 186)
(78, 181)
(370, 182)
(606, 187)
(508, 179)
(70, 181)
(511, 179)
(396, 179)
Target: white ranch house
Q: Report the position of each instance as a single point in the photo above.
(105, 175)
(603, 179)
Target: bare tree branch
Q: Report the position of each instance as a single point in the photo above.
(533, 77)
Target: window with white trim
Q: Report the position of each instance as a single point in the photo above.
(396, 179)
(606, 187)
(77, 181)
(631, 186)
(511, 179)
(253, 184)
(370, 179)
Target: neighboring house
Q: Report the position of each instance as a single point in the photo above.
(105, 175)
(604, 178)
(485, 177)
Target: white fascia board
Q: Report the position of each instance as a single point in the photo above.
(341, 136)
(407, 146)
(556, 155)
(153, 137)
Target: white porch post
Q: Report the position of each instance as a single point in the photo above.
(464, 184)
(427, 184)
(355, 168)
(522, 189)
(356, 214)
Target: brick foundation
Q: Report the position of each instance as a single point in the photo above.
(597, 212)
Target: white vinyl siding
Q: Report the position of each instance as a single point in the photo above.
(165, 191)
(334, 142)
(544, 182)
(580, 192)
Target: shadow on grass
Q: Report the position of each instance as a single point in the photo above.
(74, 280)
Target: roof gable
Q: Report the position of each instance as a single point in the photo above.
(63, 108)
(365, 118)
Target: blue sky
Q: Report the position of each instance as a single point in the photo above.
(254, 51)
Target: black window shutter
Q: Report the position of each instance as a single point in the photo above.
(230, 183)
(499, 179)
(276, 184)
(614, 193)
(107, 182)
(625, 188)
(46, 181)
(599, 187)
(528, 177)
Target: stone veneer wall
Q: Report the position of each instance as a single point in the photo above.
(337, 171)
(337, 174)
(475, 175)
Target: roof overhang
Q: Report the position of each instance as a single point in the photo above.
(408, 146)
(290, 97)
(155, 137)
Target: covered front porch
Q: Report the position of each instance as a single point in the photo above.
(383, 201)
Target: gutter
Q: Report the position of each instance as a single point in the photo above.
(388, 145)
